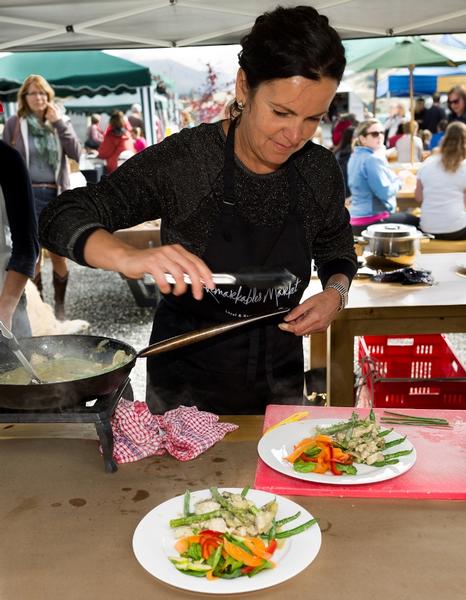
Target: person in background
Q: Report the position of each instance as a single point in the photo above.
(372, 183)
(426, 138)
(419, 111)
(457, 104)
(433, 115)
(343, 153)
(135, 117)
(250, 192)
(117, 140)
(343, 122)
(19, 243)
(403, 145)
(45, 138)
(94, 135)
(437, 137)
(396, 116)
(391, 142)
(441, 187)
(140, 143)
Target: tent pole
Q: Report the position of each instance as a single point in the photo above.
(411, 108)
(374, 103)
(148, 113)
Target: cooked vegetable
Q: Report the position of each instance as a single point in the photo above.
(239, 548)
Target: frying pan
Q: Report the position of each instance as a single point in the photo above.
(95, 348)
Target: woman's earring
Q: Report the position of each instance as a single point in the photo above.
(240, 105)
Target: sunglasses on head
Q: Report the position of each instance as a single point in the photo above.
(374, 134)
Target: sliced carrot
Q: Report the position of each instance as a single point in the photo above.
(257, 547)
(183, 544)
(241, 555)
(299, 449)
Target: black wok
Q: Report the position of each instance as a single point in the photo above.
(94, 348)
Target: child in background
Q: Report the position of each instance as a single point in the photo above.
(140, 143)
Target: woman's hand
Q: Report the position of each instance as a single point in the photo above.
(314, 315)
(174, 260)
(52, 114)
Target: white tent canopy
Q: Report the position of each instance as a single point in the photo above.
(29, 25)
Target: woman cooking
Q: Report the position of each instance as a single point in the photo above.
(251, 192)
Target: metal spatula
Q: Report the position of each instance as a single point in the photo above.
(12, 343)
(259, 278)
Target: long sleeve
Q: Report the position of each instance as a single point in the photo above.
(68, 138)
(383, 183)
(17, 191)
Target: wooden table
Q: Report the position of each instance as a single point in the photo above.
(67, 526)
(383, 309)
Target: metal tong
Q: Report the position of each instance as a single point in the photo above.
(13, 344)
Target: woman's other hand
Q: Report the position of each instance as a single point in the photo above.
(314, 315)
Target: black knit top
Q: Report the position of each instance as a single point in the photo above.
(180, 180)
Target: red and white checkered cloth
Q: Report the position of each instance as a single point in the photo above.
(184, 432)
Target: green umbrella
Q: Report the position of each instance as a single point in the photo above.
(70, 73)
(410, 53)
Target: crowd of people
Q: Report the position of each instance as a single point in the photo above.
(434, 145)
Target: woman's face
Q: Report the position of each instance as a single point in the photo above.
(36, 99)
(279, 118)
(373, 138)
(456, 103)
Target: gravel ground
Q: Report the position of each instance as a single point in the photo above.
(104, 300)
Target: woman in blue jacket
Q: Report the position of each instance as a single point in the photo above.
(372, 183)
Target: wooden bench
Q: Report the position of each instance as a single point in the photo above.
(436, 246)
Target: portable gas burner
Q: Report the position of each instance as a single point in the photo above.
(97, 411)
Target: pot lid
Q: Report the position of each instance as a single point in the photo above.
(391, 230)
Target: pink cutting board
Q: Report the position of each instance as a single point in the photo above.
(439, 471)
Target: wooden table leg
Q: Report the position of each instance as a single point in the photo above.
(318, 344)
(340, 364)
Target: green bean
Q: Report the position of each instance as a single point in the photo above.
(273, 530)
(385, 432)
(245, 491)
(334, 428)
(394, 442)
(286, 520)
(195, 518)
(284, 534)
(397, 454)
(383, 463)
(186, 502)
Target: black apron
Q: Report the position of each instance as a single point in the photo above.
(242, 371)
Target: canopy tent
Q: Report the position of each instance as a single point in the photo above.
(80, 24)
(426, 81)
(80, 73)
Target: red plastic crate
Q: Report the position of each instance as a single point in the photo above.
(412, 371)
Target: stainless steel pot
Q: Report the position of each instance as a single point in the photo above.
(390, 246)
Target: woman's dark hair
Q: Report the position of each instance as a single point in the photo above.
(117, 121)
(346, 142)
(287, 42)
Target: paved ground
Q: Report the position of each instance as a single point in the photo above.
(104, 300)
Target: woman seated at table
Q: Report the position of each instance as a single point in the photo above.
(441, 187)
(373, 184)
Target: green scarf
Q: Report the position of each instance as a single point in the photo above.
(45, 141)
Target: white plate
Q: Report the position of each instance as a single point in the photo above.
(277, 444)
(153, 543)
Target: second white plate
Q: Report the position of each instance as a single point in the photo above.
(277, 444)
